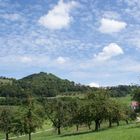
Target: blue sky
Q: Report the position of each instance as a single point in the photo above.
(94, 42)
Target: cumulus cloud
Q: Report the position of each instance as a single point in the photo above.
(108, 52)
(61, 60)
(93, 84)
(111, 26)
(59, 17)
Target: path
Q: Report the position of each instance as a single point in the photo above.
(32, 134)
(138, 119)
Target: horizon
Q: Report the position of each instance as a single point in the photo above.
(92, 42)
(90, 85)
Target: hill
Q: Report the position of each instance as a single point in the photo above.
(40, 85)
(47, 84)
(122, 90)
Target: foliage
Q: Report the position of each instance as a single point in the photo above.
(121, 90)
(57, 111)
(49, 85)
(136, 94)
(6, 121)
(35, 95)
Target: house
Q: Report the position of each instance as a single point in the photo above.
(135, 105)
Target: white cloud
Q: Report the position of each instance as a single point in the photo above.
(109, 51)
(61, 60)
(111, 26)
(25, 59)
(59, 17)
(93, 84)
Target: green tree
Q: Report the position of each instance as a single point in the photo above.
(57, 111)
(30, 116)
(115, 111)
(86, 113)
(75, 112)
(136, 94)
(98, 101)
(27, 120)
(6, 121)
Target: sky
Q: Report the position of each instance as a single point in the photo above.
(92, 42)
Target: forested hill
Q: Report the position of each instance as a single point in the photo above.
(121, 90)
(47, 84)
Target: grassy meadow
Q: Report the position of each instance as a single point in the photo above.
(124, 132)
(125, 100)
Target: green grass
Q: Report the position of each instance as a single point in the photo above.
(5, 81)
(125, 132)
(125, 100)
(1, 135)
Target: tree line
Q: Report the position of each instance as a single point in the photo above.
(95, 108)
(49, 85)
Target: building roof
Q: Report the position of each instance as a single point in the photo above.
(135, 103)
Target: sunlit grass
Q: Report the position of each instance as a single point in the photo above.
(124, 132)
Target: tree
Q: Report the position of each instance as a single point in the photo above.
(30, 117)
(98, 101)
(86, 113)
(27, 120)
(31, 122)
(57, 111)
(75, 112)
(6, 121)
(136, 94)
(121, 90)
(118, 112)
(113, 111)
(11, 93)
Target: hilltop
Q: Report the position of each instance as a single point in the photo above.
(41, 84)
(48, 84)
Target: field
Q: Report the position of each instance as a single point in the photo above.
(5, 81)
(124, 132)
(125, 100)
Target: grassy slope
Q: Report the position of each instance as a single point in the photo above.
(125, 100)
(126, 132)
(5, 81)
(110, 134)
